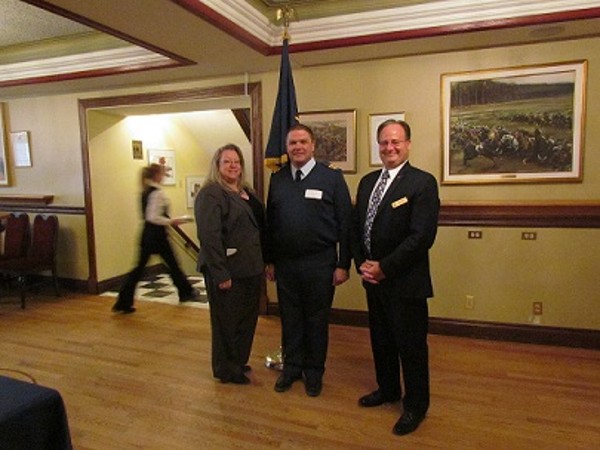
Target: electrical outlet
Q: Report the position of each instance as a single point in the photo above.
(537, 308)
(529, 235)
(469, 302)
(474, 234)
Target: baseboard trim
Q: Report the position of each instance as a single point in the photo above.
(529, 334)
(113, 284)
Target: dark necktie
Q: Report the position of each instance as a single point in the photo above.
(298, 175)
(372, 209)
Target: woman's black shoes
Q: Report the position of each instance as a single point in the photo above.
(236, 379)
(123, 309)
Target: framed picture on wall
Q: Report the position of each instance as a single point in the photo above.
(335, 133)
(19, 141)
(374, 121)
(137, 149)
(193, 185)
(3, 144)
(165, 158)
(519, 124)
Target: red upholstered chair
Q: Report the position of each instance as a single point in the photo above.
(40, 258)
(17, 235)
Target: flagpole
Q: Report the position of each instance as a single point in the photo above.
(285, 115)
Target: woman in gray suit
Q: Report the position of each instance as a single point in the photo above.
(230, 222)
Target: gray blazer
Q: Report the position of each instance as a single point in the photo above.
(229, 235)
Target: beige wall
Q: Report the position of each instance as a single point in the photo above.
(54, 132)
(503, 274)
(115, 175)
(56, 169)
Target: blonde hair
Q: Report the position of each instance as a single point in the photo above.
(214, 176)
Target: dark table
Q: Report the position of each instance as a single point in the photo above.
(32, 417)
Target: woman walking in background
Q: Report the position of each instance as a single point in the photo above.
(230, 221)
(155, 207)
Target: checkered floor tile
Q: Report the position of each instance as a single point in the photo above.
(160, 289)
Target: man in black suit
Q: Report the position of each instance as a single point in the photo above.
(394, 226)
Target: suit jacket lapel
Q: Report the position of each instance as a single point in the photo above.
(245, 206)
(391, 190)
(369, 186)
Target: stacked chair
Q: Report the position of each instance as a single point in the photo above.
(29, 253)
(17, 236)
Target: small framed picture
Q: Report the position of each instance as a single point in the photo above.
(374, 121)
(193, 185)
(19, 141)
(165, 158)
(137, 150)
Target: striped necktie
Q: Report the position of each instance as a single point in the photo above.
(298, 175)
(372, 209)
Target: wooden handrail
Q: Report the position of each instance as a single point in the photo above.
(188, 242)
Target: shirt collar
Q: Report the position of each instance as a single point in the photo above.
(393, 172)
(305, 169)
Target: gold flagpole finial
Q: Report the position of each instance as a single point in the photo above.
(285, 14)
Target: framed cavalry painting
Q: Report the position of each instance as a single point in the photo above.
(519, 124)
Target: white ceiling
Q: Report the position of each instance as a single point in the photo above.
(202, 39)
(22, 23)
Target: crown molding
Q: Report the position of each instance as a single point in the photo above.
(83, 62)
(429, 15)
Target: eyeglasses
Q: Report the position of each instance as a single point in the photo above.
(231, 163)
(394, 142)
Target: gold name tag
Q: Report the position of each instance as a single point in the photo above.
(399, 202)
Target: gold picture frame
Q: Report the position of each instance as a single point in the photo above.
(511, 125)
(137, 149)
(335, 134)
(4, 179)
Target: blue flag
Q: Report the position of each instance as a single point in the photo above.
(284, 116)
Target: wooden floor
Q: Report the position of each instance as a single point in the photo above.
(143, 381)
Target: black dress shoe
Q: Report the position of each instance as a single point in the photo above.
(236, 379)
(408, 422)
(193, 296)
(313, 387)
(284, 382)
(123, 309)
(375, 398)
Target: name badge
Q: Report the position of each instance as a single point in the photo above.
(399, 202)
(315, 194)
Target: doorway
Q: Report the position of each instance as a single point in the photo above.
(167, 102)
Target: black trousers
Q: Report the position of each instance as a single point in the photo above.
(233, 318)
(166, 253)
(305, 293)
(398, 327)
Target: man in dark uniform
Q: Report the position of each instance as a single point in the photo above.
(394, 226)
(308, 227)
